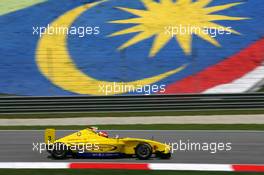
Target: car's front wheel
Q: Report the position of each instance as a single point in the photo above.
(143, 151)
(165, 156)
(60, 151)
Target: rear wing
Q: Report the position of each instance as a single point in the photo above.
(50, 135)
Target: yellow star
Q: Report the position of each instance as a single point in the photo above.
(183, 13)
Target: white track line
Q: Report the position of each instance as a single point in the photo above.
(191, 167)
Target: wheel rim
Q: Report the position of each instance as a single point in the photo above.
(60, 152)
(144, 151)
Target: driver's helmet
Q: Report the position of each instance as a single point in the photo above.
(94, 129)
(103, 134)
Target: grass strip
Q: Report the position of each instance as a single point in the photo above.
(114, 172)
(132, 114)
(8, 6)
(261, 89)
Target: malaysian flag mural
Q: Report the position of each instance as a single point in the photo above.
(120, 47)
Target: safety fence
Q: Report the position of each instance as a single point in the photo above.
(199, 102)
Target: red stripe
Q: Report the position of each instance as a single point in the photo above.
(248, 168)
(224, 72)
(121, 166)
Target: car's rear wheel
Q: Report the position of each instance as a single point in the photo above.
(60, 151)
(143, 151)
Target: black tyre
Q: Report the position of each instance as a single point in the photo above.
(143, 151)
(60, 151)
(165, 156)
(74, 155)
(49, 148)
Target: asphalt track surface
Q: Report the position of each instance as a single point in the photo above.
(247, 147)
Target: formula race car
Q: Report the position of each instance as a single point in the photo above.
(96, 144)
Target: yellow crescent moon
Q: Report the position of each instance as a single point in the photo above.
(55, 63)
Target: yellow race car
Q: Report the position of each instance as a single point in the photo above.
(96, 144)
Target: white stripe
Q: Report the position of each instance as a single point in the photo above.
(33, 165)
(242, 84)
(190, 167)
